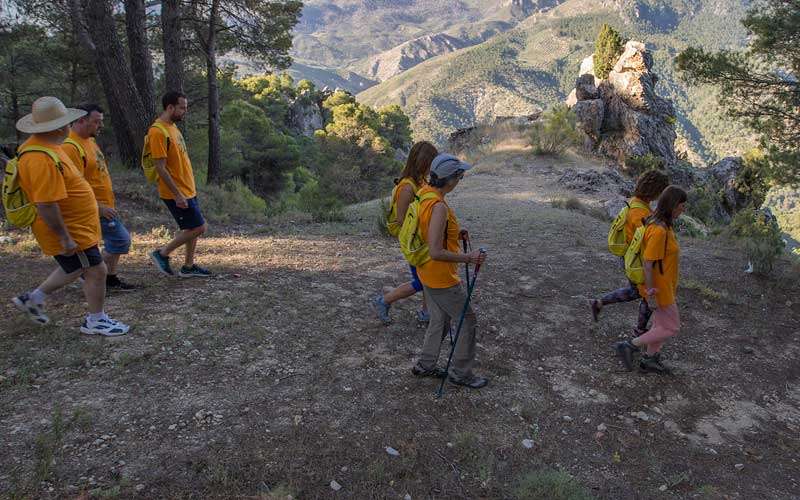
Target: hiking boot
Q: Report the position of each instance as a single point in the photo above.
(472, 381)
(653, 364)
(423, 316)
(161, 262)
(435, 372)
(113, 283)
(625, 352)
(34, 311)
(106, 327)
(596, 308)
(381, 309)
(638, 332)
(194, 271)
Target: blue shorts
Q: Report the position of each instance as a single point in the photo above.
(189, 217)
(415, 282)
(116, 239)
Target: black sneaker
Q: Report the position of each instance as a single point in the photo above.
(625, 352)
(436, 372)
(161, 262)
(194, 272)
(473, 381)
(113, 283)
(653, 364)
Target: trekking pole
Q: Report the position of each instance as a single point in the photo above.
(470, 288)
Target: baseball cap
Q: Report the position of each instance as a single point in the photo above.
(445, 165)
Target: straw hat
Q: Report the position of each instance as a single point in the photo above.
(47, 114)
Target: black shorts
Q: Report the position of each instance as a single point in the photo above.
(187, 218)
(80, 260)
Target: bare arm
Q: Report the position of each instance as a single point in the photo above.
(51, 214)
(404, 199)
(436, 240)
(161, 167)
(648, 283)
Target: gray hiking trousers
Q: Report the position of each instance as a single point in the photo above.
(445, 306)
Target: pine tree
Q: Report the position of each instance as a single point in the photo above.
(607, 50)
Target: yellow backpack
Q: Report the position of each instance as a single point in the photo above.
(20, 212)
(617, 242)
(392, 224)
(148, 164)
(412, 244)
(634, 262)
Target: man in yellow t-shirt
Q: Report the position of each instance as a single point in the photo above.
(82, 148)
(176, 186)
(67, 225)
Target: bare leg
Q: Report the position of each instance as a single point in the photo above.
(181, 239)
(94, 287)
(190, 247)
(401, 292)
(111, 260)
(58, 279)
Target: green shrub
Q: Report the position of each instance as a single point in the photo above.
(552, 485)
(555, 132)
(759, 237)
(232, 201)
(607, 49)
(751, 180)
(701, 203)
(382, 217)
(637, 165)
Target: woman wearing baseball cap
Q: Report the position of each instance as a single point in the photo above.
(439, 277)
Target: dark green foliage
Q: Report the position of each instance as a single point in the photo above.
(760, 85)
(552, 485)
(637, 165)
(607, 50)
(555, 132)
(759, 237)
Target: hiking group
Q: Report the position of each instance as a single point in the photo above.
(59, 185)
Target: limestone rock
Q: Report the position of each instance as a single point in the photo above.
(594, 181)
(724, 173)
(585, 88)
(305, 117)
(589, 114)
(572, 98)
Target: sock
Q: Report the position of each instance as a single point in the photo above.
(97, 316)
(37, 296)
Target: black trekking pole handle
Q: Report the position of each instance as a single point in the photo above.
(466, 266)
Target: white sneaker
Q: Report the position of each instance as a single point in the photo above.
(105, 327)
(34, 311)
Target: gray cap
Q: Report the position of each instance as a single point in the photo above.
(445, 165)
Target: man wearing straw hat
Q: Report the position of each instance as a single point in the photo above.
(67, 226)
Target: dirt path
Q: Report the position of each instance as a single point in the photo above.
(274, 378)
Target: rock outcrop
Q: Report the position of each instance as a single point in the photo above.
(305, 117)
(633, 120)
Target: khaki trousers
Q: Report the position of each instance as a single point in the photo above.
(445, 306)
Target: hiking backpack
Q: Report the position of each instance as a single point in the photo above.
(412, 244)
(148, 164)
(393, 226)
(634, 263)
(77, 145)
(20, 212)
(617, 242)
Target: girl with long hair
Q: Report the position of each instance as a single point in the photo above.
(411, 180)
(661, 257)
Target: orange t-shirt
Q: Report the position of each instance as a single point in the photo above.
(45, 182)
(635, 216)
(95, 168)
(660, 243)
(178, 164)
(437, 273)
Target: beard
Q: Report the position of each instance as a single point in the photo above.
(176, 118)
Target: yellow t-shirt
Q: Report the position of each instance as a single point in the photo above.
(437, 273)
(178, 164)
(95, 168)
(635, 216)
(45, 182)
(660, 244)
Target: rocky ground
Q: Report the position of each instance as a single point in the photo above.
(274, 378)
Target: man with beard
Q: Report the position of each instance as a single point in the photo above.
(87, 156)
(176, 186)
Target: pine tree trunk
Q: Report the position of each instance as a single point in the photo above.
(141, 61)
(96, 27)
(173, 48)
(214, 146)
